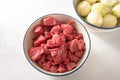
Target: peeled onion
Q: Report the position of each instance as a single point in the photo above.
(116, 10)
(101, 8)
(91, 1)
(83, 8)
(109, 2)
(95, 18)
(109, 21)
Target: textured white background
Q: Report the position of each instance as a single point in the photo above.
(15, 18)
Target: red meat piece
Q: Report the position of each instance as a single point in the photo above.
(70, 66)
(69, 37)
(32, 50)
(38, 30)
(46, 66)
(71, 22)
(39, 40)
(75, 45)
(61, 68)
(50, 44)
(82, 45)
(79, 36)
(47, 35)
(64, 56)
(64, 46)
(73, 58)
(46, 51)
(42, 58)
(49, 21)
(39, 62)
(67, 29)
(53, 69)
(49, 58)
(56, 54)
(67, 60)
(56, 29)
(58, 40)
(79, 53)
(35, 53)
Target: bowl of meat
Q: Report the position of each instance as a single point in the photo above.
(57, 44)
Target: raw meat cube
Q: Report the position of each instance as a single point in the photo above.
(74, 45)
(71, 22)
(79, 53)
(58, 40)
(35, 54)
(39, 62)
(39, 40)
(67, 29)
(49, 21)
(82, 45)
(73, 58)
(56, 29)
(50, 44)
(32, 50)
(47, 35)
(56, 55)
(61, 68)
(49, 58)
(38, 30)
(46, 66)
(67, 60)
(53, 69)
(42, 58)
(70, 66)
(79, 36)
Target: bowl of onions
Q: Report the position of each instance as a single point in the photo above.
(99, 15)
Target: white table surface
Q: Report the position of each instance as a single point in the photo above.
(15, 18)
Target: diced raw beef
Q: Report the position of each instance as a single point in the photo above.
(73, 58)
(38, 30)
(46, 51)
(58, 40)
(46, 66)
(39, 40)
(82, 45)
(50, 44)
(70, 66)
(67, 60)
(69, 37)
(56, 55)
(61, 68)
(49, 58)
(56, 30)
(49, 21)
(79, 36)
(48, 35)
(71, 22)
(53, 69)
(74, 45)
(42, 58)
(79, 53)
(39, 62)
(32, 50)
(67, 29)
(64, 56)
(35, 54)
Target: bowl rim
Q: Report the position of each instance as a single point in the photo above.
(99, 27)
(88, 53)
